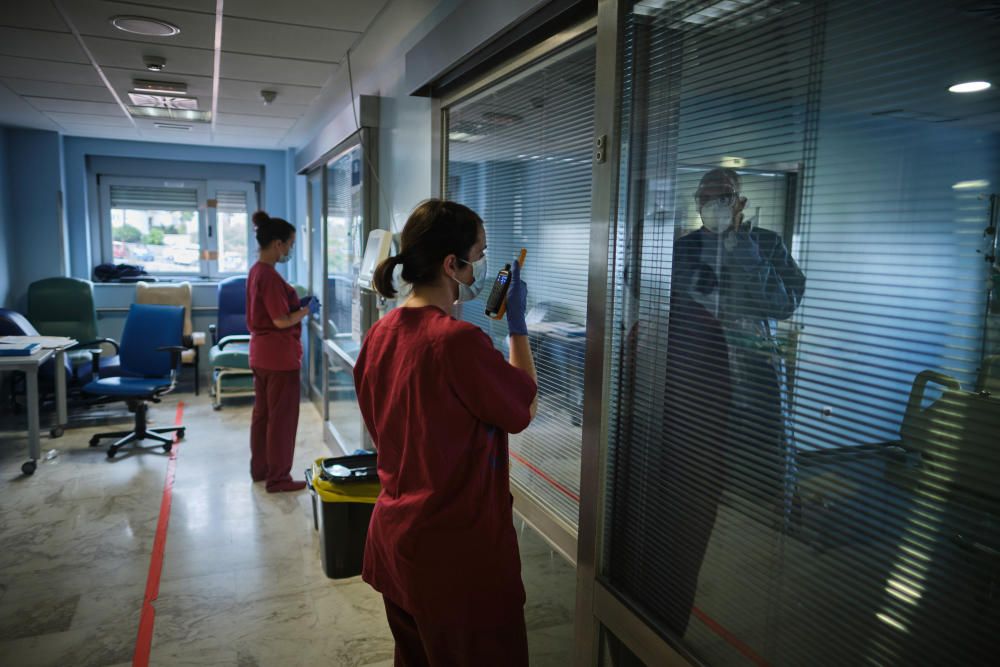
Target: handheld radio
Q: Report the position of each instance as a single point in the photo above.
(496, 304)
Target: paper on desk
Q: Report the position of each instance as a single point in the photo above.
(46, 342)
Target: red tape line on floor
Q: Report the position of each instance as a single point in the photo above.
(558, 487)
(730, 638)
(144, 641)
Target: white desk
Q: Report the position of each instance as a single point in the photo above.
(29, 365)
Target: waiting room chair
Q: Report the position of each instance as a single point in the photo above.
(63, 306)
(151, 355)
(230, 353)
(176, 294)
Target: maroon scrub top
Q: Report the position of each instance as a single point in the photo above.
(439, 400)
(268, 298)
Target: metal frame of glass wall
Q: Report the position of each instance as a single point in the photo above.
(556, 531)
(325, 352)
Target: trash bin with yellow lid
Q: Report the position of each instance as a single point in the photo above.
(344, 491)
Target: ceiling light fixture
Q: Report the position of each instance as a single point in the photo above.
(154, 63)
(165, 87)
(970, 87)
(162, 101)
(142, 25)
(268, 96)
(194, 115)
(978, 184)
(172, 126)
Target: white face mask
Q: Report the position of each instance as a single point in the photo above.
(716, 215)
(470, 292)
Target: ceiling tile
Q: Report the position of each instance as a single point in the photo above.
(44, 70)
(333, 14)
(41, 44)
(15, 111)
(32, 14)
(285, 41)
(94, 19)
(246, 120)
(250, 91)
(121, 53)
(265, 132)
(85, 119)
(278, 108)
(66, 91)
(259, 68)
(75, 106)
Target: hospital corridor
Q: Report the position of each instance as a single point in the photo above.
(499, 333)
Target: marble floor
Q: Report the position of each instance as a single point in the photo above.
(241, 583)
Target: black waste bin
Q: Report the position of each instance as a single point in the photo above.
(344, 491)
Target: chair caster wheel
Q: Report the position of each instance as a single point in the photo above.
(29, 467)
(56, 432)
(167, 448)
(180, 434)
(112, 452)
(216, 407)
(95, 441)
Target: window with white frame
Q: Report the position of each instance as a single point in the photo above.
(173, 227)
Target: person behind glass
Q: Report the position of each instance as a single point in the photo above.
(274, 314)
(439, 400)
(724, 412)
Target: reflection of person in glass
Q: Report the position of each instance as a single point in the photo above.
(725, 418)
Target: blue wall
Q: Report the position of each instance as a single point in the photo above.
(35, 223)
(6, 256)
(275, 163)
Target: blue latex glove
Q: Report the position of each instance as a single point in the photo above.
(517, 302)
(310, 302)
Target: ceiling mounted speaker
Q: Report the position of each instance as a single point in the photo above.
(142, 25)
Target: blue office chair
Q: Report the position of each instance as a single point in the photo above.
(151, 348)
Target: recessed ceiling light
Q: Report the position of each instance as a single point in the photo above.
(194, 115)
(162, 101)
(978, 184)
(969, 87)
(141, 25)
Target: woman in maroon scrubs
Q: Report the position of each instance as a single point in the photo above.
(273, 318)
(439, 400)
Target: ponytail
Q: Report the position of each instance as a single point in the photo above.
(436, 228)
(383, 276)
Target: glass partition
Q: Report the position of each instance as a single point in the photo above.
(803, 414)
(519, 154)
(346, 308)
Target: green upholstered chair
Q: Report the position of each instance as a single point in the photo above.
(65, 307)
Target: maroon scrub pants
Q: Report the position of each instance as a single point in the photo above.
(420, 643)
(273, 427)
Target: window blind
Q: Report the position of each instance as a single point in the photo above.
(231, 202)
(804, 441)
(154, 198)
(519, 155)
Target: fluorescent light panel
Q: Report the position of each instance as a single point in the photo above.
(171, 114)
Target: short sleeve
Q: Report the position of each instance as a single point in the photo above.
(493, 391)
(275, 297)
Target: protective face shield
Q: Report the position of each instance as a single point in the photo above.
(471, 292)
(717, 215)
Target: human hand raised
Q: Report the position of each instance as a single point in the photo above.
(517, 302)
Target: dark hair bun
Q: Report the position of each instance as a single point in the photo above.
(260, 218)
